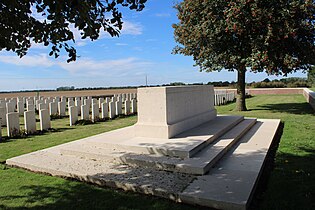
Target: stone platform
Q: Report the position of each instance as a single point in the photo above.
(216, 164)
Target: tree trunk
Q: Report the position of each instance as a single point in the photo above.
(240, 98)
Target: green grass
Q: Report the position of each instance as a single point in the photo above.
(290, 185)
(313, 88)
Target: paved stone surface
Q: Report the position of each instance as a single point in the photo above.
(230, 184)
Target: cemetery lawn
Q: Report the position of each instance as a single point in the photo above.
(290, 184)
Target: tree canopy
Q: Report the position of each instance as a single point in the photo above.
(51, 22)
(275, 36)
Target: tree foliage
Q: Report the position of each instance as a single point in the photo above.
(276, 36)
(51, 22)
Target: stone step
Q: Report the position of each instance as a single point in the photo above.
(201, 162)
(183, 146)
(230, 184)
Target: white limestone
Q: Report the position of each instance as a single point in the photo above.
(78, 103)
(85, 115)
(100, 101)
(53, 108)
(13, 124)
(42, 106)
(118, 106)
(10, 107)
(70, 103)
(112, 110)
(20, 108)
(2, 116)
(61, 109)
(95, 112)
(30, 122)
(127, 107)
(164, 112)
(44, 119)
(73, 115)
(104, 108)
(134, 109)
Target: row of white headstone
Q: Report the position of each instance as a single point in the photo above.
(110, 108)
(223, 97)
(57, 106)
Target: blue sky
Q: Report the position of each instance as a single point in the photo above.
(144, 48)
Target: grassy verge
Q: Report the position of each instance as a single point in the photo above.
(290, 186)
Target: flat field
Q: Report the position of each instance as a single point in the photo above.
(289, 185)
(74, 93)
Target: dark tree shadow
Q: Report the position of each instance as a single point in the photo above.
(291, 108)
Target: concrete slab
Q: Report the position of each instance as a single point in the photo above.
(230, 184)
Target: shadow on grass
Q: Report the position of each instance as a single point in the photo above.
(287, 180)
(75, 195)
(291, 108)
(7, 139)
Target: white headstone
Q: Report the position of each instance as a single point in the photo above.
(85, 115)
(42, 106)
(78, 103)
(2, 116)
(88, 103)
(112, 110)
(10, 107)
(118, 108)
(30, 107)
(20, 108)
(62, 108)
(95, 112)
(53, 108)
(127, 107)
(104, 108)
(13, 124)
(44, 119)
(134, 106)
(73, 115)
(0, 131)
(70, 103)
(30, 122)
(100, 101)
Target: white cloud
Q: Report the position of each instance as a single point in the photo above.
(162, 15)
(130, 28)
(121, 44)
(29, 61)
(105, 68)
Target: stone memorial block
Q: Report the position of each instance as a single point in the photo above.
(104, 107)
(20, 108)
(127, 107)
(100, 101)
(10, 107)
(30, 122)
(134, 106)
(118, 105)
(85, 112)
(53, 108)
(164, 112)
(95, 112)
(3, 116)
(89, 97)
(73, 115)
(112, 110)
(94, 101)
(61, 109)
(107, 100)
(13, 124)
(44, 119)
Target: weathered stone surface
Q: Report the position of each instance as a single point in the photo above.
(100, 101)
(118, 106)
(127, 107)
(134, 106)
(42, 106)
(104, 108)
(112, 110)
(3, 116)
(78, 104)
(13, 124)
(85, 115)
(30, 107)
(53, 108)
(61, 109)
(44, 118)
(10, 107)
(95, 112)
(173, 110)
(73, 115)
(30, 122)
(20, 108)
